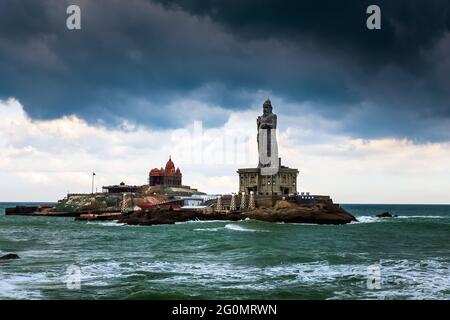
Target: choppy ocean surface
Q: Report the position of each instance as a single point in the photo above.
(230, 260)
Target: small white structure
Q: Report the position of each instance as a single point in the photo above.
(124, 207)
(251, 202)
(219, 203)
(243, 202)
(233, 202)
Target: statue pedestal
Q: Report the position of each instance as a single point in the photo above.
(283, 183)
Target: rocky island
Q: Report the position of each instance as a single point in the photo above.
(267, 192)
(283, 211)
(158, 208)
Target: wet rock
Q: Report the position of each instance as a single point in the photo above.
(323, 214)
(386, 215)
(9, 256)
(167, 216)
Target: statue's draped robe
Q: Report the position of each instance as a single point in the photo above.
(268, 122)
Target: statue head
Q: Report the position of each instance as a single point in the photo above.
(267, 107)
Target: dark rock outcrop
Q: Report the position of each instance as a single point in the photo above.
(386, 215)
(284, 211)
(167, 216)
(26, 211)
(9, 256)
(298, 215)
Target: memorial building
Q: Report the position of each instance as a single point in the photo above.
(270, 177)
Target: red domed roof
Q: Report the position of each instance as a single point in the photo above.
(169, 170)
(170, 166)
(156, 172)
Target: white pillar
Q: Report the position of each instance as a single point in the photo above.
(251, 202)
(233, 202)
(243, 203)
(124, 203)
(219, 203)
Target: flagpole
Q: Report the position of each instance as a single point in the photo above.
(93, 175)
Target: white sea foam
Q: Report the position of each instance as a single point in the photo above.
(232, 227)
(236, 227)
(107, 223)
(207, 229)
(9, 290)
(201, 221)
(24, 286)
(372, 219)
(422, 217)
(367, 219)
(400, 279)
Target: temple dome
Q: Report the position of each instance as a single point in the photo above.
(170, 167)
(157, 172)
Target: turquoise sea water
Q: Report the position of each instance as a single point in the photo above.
(231, 260)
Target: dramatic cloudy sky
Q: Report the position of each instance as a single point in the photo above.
(363, 114)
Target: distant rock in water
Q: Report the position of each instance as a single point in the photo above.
(386, 215)
(9, 256)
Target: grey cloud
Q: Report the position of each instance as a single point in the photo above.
(138, 60)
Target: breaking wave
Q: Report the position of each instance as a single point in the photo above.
(236, 227)
(400, 279)
(372, 219)
(207, 229)
(367, 219)
(107, 224)
(422, 217)
(199, 221)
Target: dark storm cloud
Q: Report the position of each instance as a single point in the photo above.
(141, 59)
(338, 26)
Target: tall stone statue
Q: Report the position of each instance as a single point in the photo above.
(267, 140)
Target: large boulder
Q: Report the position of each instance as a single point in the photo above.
(303, 214)
(283, 204)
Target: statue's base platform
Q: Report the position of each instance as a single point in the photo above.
(283, 183)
